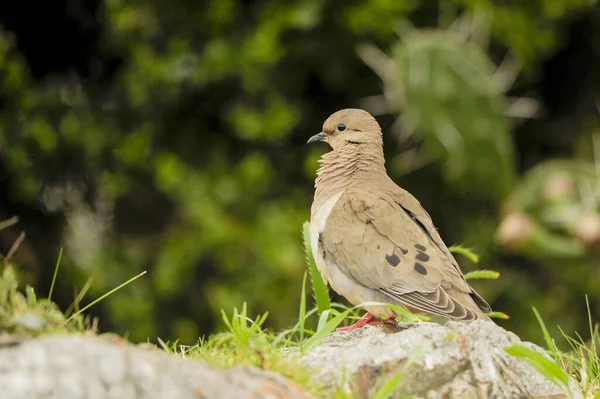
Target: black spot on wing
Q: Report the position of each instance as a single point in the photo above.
(422, 256)
(419, 268)
(420, 247)
(392, 259)
(404, 251)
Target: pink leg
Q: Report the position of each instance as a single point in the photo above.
(368, 318)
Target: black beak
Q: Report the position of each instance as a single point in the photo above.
(317, 137)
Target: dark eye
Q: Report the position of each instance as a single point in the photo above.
(341, 127)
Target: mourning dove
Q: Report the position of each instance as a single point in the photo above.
(372, 240)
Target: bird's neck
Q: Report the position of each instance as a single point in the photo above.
(349, 166)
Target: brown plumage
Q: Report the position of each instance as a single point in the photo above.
(372, 240)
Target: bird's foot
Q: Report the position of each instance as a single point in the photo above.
(369, 319)
(363, 321)
(392, 321)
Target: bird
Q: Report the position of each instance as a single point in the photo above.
(372, 240)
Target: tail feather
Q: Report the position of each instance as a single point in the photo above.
(474, 303)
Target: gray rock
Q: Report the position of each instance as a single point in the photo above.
(88, 367)
(457, 360)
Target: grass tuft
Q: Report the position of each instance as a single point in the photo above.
(246, 343)
(24, 314)
(581, 362)
(547, 367)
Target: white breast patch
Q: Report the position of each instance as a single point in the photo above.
(317, 226)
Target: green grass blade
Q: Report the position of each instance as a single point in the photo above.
(320, 290)
(107, 294)
(60, 254)
(390, 385)
(467, 253)
(547, 337)
(30, 296)
(591, 324)
(302, 311)
(285, 338)
(327, 329)
(323, 319)
(79, 297)
(498, 315)
(548, 368)
(482, 274)
(407, 315)
(163, 345)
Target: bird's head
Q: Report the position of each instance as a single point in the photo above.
(349, 127)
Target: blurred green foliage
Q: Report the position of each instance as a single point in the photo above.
(442, 83)
(187, 158)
